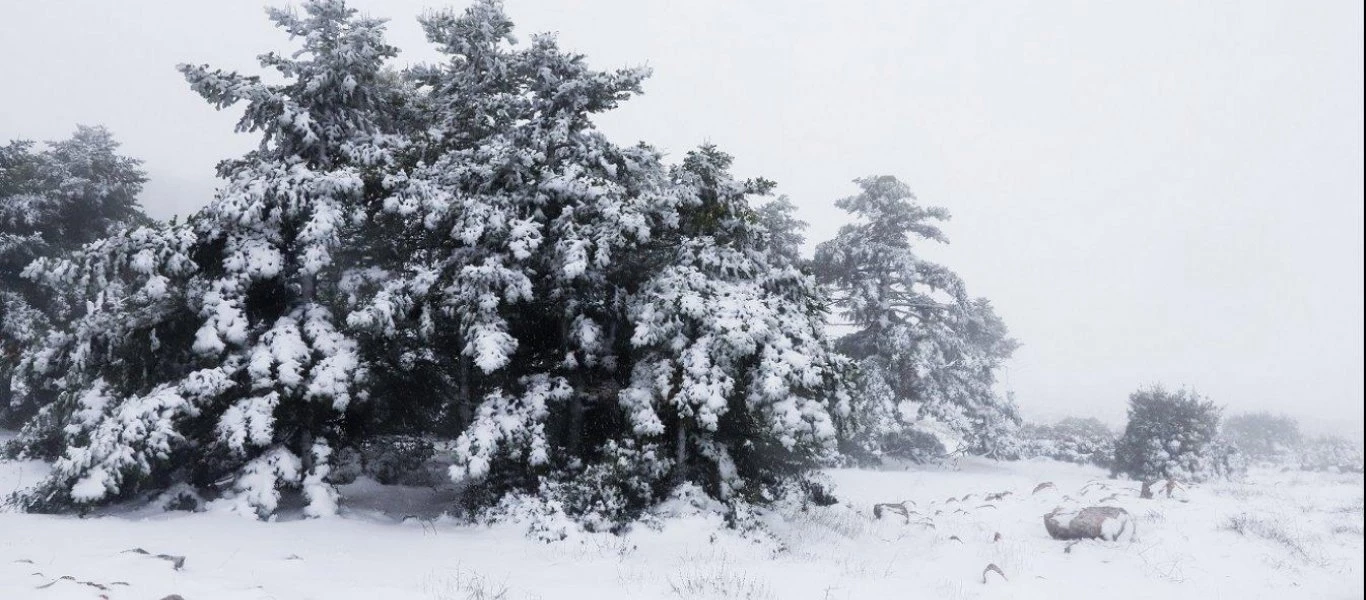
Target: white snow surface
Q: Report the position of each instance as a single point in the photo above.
(1302, 538)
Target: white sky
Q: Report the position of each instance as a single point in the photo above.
(1148, 191)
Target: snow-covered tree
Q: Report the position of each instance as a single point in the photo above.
(1263, 436)
(512, 220)
(927, 352)
(452, 250)
(53, 201)
(252, 374)
(1330, 453)
(1173, 435)
(731, 364)
(539, 254)
(1072, 439)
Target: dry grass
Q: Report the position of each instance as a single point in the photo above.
(1276, 531)
(1350, 529)
(464, 585)
(718, 582)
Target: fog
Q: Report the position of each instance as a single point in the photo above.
(1148, 192)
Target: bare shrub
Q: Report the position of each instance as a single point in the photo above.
(718, 582)
(1275, 531)
(1352, 529)
(464, 585)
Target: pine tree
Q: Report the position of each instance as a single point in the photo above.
(732, 367)
(538, 254)
(1072, 439)
(513, 215)
(927, 352)
(1173, 435)
(451, 251)
(253, 376)
(53, 201)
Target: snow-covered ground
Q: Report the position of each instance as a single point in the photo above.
(1275, 535)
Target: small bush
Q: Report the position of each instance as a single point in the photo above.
(1074, 440)
(1173, 435)
(614, 490)
(392, 459)
(914, 445)
(719, 583)
(464, 585)
(1277, 532)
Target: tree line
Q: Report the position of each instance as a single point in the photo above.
(453, 251)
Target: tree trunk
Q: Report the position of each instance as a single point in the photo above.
(680, 474)
(573, 437)
(307, 285)
(464, 406)
(574, 441)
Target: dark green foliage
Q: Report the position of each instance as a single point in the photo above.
(396, 458)
(53, 201)
(1172, 435)
(914, 445)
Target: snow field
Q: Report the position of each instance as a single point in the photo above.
(1274, 535)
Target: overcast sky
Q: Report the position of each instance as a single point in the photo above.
(1148, 191)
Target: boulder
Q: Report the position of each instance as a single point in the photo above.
(1095, 522)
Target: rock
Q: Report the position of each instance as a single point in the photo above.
(1096, 522)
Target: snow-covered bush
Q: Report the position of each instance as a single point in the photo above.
(1263, 436)
(1072, 439)
(1329, 453)
(913, 444)
(1173, 435)
(615, 489)
(396, 458)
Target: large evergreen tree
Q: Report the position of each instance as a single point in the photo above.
(252, 375)
(539, 303)
(927, 352)
(732, 366)
(452, 250)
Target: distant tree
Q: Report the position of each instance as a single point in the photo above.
(1330, 453)
(1263, 436)
(53, 201)
(925, 350)
(1172, 435)
(1072, 439)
